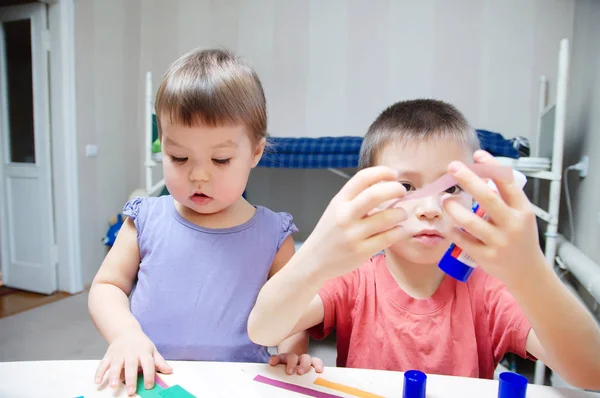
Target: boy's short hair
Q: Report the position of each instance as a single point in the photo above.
(420, 119)
(212, 87)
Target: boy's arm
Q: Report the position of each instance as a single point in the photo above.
(564, 334)
(108, 301)
(296, 339)
(287, 304)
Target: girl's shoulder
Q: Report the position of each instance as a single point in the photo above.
(282, 222)
(136, 207)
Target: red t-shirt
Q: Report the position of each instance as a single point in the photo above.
(464, 329)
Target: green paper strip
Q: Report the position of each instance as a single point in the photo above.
(175, 391)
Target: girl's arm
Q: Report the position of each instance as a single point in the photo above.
(108, 301)
(108, 304)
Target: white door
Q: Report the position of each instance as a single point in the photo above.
(27, 219)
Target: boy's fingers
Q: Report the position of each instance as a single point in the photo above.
(481, 192)
(364, 179)
(466, 242)
(381, 221)
(473, 224)
(383, 240)
(304, 364)
(510, 192)
(376, 195)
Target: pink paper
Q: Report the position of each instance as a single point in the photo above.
(447, 181)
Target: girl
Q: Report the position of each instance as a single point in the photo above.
(192, 263)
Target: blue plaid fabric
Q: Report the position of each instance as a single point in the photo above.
(342, 152)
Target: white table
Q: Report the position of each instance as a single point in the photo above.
(70, 379)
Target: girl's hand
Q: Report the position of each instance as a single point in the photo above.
(127, 353)
(506, 246)
(350, 231)
(297, 364)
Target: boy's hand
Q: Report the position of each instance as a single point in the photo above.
(506, 246)
(300, 364)
(349, 232)
(125, 354)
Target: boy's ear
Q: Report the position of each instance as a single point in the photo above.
(258, 152)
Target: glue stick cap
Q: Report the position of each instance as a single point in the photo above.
(512, 385)
(415, 382)
(453, 267)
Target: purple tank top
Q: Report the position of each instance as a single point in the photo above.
(196, 286)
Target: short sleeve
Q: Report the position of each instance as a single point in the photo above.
(509, 327)
(287, 228)
(133, 209)
(338, 296)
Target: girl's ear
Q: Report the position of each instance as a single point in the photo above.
(258, 151)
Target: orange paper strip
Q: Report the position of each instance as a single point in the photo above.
(346, 389)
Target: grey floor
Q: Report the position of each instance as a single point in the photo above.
(63, 330)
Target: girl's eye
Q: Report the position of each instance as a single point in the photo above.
(454, 190)
(178, 160)
(408, 186)
(221, 161)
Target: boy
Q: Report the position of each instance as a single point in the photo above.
(399, 311)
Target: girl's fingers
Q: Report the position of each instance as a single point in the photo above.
(160, 364)
(470, 222)
(292, 361)
(131, 373)
(102, 368)
(317, 363)
(114, 373)
(274, 360)
(148, 370)
(304, 364)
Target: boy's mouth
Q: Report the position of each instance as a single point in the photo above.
(429, 237)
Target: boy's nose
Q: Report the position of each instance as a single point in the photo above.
(430, 207)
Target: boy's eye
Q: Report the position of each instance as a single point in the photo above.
(454, 190)
(408, 186)
(221, 161)
(178, 160)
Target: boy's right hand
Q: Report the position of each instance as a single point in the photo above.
(127, 353)
(350, 232)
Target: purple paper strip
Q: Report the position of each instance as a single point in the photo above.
(294, 387)
(159, 381)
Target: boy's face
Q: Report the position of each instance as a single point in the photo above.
(206, 169)
(426, 228)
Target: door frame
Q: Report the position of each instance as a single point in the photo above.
(61, 16)
(63, 133)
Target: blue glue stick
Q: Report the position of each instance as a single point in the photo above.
(456, 262)
(415, 384)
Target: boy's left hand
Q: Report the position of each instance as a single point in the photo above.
(300, 364)
(506, 246)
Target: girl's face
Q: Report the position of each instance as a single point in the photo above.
(205, 168)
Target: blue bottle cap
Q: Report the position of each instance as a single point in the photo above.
(415, 382)
(512, 385)
(455, 268)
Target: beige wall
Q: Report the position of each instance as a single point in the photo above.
(328, 68)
